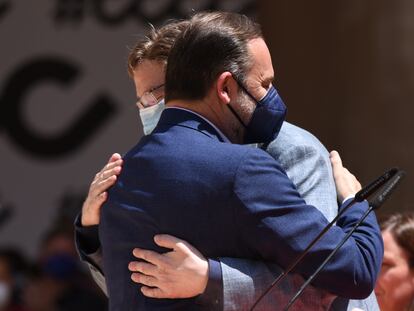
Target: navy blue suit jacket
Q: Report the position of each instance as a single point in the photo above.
(227, 200)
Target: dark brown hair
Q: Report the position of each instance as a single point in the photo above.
(156, 45)
(211, 44)
(401, 226)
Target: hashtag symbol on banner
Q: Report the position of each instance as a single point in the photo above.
(69, 10)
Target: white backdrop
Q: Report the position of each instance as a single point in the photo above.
(66, 102)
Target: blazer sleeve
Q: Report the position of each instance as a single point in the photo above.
(308, 166)
(89, 250)
(310, 170)
(277, 225)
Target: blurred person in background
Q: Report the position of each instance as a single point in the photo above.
(58, 281)
(13, 268)
(395, 285)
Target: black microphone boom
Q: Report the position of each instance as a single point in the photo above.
(372, 187)
(313, 276)
(389, 188)
(380, 197)
(360, 196)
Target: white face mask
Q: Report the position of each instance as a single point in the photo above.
(5, 293)
(150, 116)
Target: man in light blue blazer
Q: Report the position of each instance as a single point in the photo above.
(306, 162)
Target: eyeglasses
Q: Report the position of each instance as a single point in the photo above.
(150, 98)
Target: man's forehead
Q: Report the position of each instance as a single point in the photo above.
(147, 75)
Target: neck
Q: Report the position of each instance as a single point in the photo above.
(215, 113)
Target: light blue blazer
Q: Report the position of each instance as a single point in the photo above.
(306, 162)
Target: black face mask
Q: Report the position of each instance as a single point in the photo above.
(267, 118)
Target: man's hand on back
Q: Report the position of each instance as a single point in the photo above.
(346, 183)
(180, 273)
(97, 194)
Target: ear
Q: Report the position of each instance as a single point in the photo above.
(226, 88)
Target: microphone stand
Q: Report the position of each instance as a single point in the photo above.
(374, 203)
(359, 197)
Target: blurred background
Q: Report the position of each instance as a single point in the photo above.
(344, 68)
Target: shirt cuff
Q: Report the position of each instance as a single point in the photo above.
(213, 294)
(348, 197)
(87, 238)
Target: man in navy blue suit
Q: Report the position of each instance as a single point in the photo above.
(191, 178)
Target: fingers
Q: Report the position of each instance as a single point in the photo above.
(167, 241)
(97, 194)
(112, 168)
(144, 279)
(108, 173)
(105, 178)
(346, 183)
(97, 189)
(177, 245)
(114, 157)
(149, 256)
(143, 267)
(110, 165)
(335, 159)
(147, 274)
(337, 167)
(180, 273)
(153, 292)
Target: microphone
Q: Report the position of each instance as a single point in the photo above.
(374, 203)
(360, 196)
(372, 187)
(385, 193)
